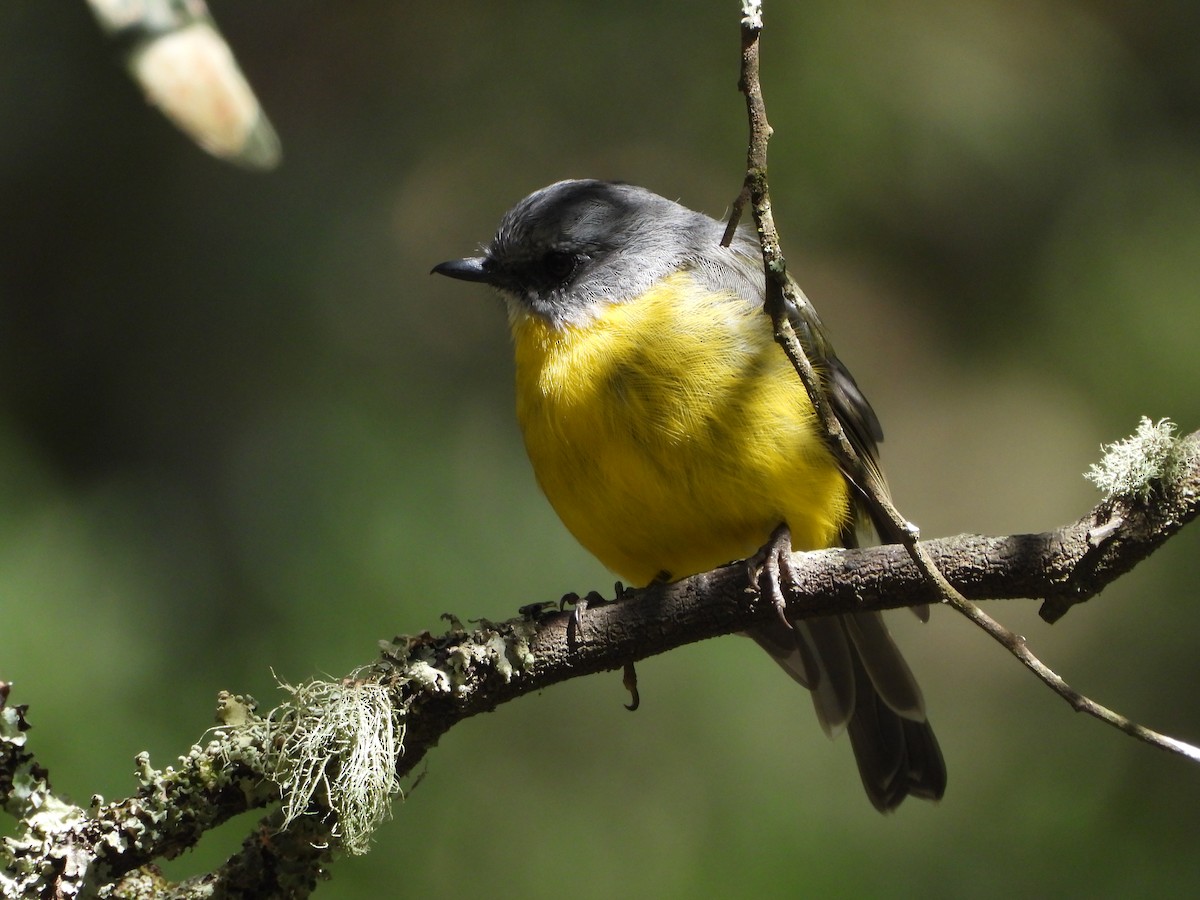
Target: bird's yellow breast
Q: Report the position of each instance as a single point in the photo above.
(671, 435)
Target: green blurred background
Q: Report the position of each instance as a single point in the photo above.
(241, 429)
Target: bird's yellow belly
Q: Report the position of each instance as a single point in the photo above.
(671, 435)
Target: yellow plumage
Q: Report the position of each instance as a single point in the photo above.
(670, 433)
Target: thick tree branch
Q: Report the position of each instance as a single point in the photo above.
(434, 682)
(1062, 567)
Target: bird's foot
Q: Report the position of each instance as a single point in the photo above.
(771, 567)
(580, 604)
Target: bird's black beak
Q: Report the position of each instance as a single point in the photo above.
(472, 268)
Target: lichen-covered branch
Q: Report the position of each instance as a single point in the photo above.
(1062, 567)
(421, 686)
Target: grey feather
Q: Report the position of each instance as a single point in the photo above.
(571, 249)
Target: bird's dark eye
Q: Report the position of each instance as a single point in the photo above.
(559, 265)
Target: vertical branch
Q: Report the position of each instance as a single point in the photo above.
(754, 185)
(781, 292)
(781, 301)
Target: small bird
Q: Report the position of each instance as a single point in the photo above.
(671, 435)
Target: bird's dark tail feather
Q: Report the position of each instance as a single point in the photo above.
(861, 683)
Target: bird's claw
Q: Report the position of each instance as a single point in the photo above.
(534, 611)
(771, 567)
(629, 679)
(581, 604)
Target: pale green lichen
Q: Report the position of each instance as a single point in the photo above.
(331, 752)
(428, 676)
(458, 658)
(498, 647)
(27, 858)
(502, 647)
(1151, 457)
(337, 745)
(518, 644)
(236, 709)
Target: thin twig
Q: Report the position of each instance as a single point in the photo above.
(1015, 644)
(781, 294)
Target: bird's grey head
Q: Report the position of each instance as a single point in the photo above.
(566, 251)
